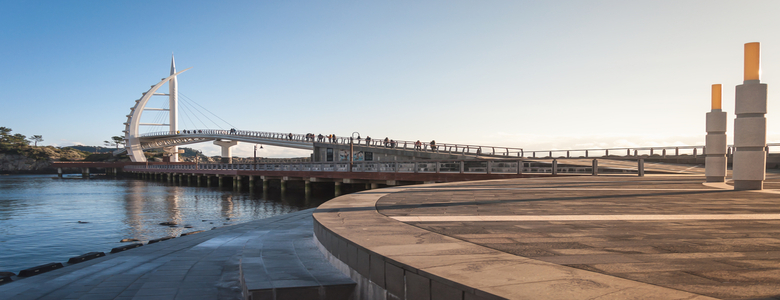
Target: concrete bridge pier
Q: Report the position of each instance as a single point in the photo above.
(227, 153)
(59, 172)
(337, 186)
(251, 183)
(283, 185)
(307, 187)
(208, 181)
(85, 173)
(237, 182)
(219, 181)
(265, 184)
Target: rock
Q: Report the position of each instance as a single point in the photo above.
(128, 240)
(187, 226)
(169, 223)
(83, 222)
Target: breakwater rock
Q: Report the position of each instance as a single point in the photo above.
(37, 159)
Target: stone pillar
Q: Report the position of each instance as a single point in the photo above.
(307, 187)
(237, 182)
(749, 168)
(197, 180)
(251, 183)
(337, 186)
(85, 173)
(227, 153)
(59, 172)
(716, 144)
(374, 186)
(265, 184)
(208, 181)
(219, 181)
(555, 167)
(283, 185)
(595, 168)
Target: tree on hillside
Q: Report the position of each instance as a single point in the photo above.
(116, 141)
(36, 138)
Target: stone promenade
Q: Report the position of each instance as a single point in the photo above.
(584, 237)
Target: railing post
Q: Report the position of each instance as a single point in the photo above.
(628, 152)
(462, 166)
(520, 167)
(551, 154)
(595, 168)
(555, 167)
(676, 151)
(438, 166)
(606, 153)
(694, 152)
(663, 153)
(641, 167)
(586, 153)
(415, 167)
(651, 151)
(567, 154)
(490, 167)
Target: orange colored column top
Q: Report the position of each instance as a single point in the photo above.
(752, 61)
(716, 96)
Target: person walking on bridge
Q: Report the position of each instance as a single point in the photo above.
(433, 145)
(368, 140)
(387, 142)
(418, 145)
(320, 137)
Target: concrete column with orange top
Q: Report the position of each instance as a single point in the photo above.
(749, 166)
(716, 145)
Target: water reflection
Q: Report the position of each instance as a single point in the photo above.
(39, 216)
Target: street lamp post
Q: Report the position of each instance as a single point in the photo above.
(261, 147)
(352, 149)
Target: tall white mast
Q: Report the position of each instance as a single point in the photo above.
(173, 113)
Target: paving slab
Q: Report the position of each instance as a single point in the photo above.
(661, 231)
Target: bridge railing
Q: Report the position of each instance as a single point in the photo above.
(462, 149)
(439, 166)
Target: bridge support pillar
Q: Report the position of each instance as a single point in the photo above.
(283, 185)
(197, 180)
(237, 182)
(219, 181)
(189, 180)
(227, 153)
(555, 167)
(251, 183)
(595, 168)
(208, 181)
(85, 173)
(59, 172)
(265, 184)
(374, 186)
(307, 187)
(337, 188)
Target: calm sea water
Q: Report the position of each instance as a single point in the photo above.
(43, 219)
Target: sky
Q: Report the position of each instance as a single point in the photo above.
(532, 74)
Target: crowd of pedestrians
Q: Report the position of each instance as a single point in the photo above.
(331, 138)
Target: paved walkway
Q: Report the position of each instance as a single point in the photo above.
(665, 231)
(274, 257)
